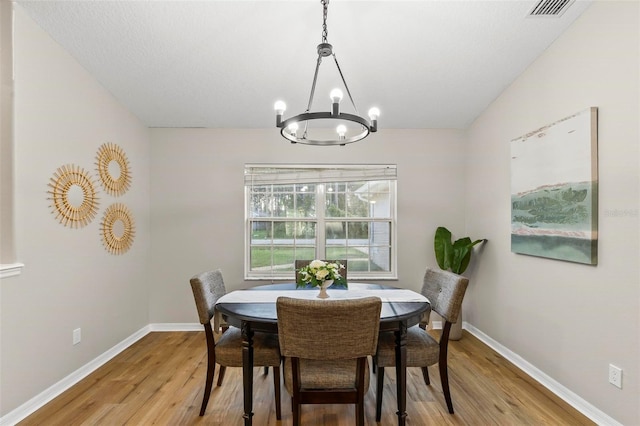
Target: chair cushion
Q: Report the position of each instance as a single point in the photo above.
(422, 349)
(266, 350)
(330, 374)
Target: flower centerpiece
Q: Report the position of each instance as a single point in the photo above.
(319, 273)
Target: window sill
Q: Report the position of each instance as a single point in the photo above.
(10, 269)
(290, 279)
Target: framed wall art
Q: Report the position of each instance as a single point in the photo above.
(113, 169)
(73, 195)
(554, 190)
(117, 229)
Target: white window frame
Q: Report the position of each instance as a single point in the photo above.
(8, 265)
(318, 174)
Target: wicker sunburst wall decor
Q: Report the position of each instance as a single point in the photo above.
(114, 185)
(117, 242)
(71, 212)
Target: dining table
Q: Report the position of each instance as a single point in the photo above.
(254, 309)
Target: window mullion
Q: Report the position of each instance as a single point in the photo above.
(320, 224)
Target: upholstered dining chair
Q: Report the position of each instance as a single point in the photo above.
(302, 263)
(207, 288)
(325, 344)
(445, 291)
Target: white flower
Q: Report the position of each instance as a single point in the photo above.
(322, 273)
(318, 271)
(317, 264)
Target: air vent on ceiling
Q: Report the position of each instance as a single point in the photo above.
(550, 7)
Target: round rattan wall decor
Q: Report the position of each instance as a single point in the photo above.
(117, 229)
(73, 193)
(113, 168)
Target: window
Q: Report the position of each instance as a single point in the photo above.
(320, 212)
(8, 264)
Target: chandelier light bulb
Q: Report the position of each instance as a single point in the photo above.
(336, 95)
(374, 113)
(280, 107)
(342, 130)
(293, 128)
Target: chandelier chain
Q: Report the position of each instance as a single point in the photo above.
(325, 11)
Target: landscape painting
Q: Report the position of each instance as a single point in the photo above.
(554, 190)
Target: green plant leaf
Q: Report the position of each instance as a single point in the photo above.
(460, 251)
(443, 247)
(462, 254)
(453, 256)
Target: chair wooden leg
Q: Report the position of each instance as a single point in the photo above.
(295, 408)
(276, 388)
(221, 372)
(362, 362)
(425, 375)
(211, 367)
(442, 363)
(295, 384)
(379, 388)
(359, 414)
(444, 376)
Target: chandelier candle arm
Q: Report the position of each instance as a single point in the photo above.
(360, 128)
(280, 108)
(336, 97)
(373, 115)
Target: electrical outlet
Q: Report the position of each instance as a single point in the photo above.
(615, 375)
(77, 336)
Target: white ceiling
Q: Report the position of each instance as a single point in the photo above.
(223, 64)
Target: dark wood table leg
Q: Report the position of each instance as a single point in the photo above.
(247, 372)
(401, 373)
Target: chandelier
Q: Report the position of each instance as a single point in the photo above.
(349, 127)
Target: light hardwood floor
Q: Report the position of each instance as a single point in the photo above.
(160, 380)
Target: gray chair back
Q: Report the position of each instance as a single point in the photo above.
(207, 288)
(328, 329)
(445, 291)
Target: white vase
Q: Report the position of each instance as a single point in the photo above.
(323, 289)
(456, 328)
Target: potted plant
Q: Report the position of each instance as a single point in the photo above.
(453, 256)
(319, 273)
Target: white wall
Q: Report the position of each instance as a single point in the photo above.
(7, 249)
(62, 116)
(569, 320)
(197, 200)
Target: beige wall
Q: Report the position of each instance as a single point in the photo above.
(62, 116)
(569, 320)
(197, 200)
(7, 249)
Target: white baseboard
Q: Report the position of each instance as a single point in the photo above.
(49, 394)
(56, 389)
(176, 326)
(536, 374)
